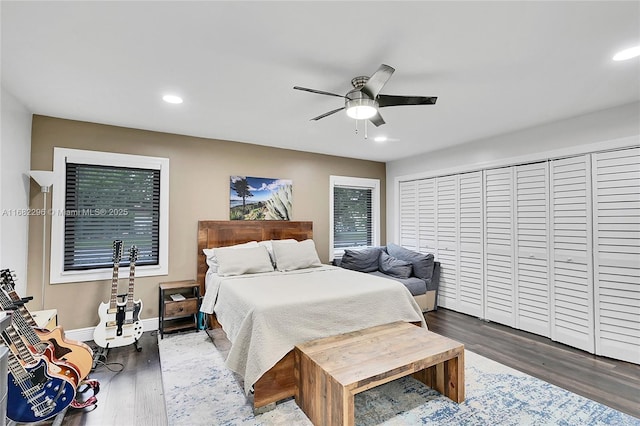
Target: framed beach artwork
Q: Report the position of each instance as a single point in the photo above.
(254, 198)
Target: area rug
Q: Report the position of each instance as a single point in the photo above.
(200, 390)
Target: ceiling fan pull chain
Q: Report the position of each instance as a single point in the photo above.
(356, 126)
(365, 128)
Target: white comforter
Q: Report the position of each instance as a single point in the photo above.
(265, 315)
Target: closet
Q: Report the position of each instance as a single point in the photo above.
(499, 235)
(408, 224)
(551, 247)
(571, 248)
(616, 260)
(447, 239)
(532, 258)
(471, 244)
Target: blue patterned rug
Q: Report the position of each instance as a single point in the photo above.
(200, 390)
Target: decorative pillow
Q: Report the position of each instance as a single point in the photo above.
(290, 256)
(362, 260)
(212, 263)
(394, 267)
(240, 261)
(422, 263)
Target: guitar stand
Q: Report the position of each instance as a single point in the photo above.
(100, 354)
(135, 345)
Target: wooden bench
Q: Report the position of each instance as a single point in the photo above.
(330, 371)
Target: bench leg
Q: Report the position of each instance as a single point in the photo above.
(446, 378)
(340, 405)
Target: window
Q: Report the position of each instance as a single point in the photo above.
(104, 203)
(355, 213)
(102, 197)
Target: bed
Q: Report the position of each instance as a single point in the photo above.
(265, 314)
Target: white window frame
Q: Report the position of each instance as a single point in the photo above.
(354, 182)
(63, 155)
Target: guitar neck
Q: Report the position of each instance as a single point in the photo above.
(15, 297)
(23, 352)
(113, 301)
(19, 373)
(7, 300)
(132, 274)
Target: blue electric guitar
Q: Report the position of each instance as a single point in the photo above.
(36, 389)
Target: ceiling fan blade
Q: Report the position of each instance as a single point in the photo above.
(377, 120)
(327, 113)
(377, 81)
(320, 92)
(391, 100)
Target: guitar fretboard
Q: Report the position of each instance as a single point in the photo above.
(114, 287)
(132, 274)
(23, 352)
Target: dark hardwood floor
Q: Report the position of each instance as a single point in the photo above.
(135, 395)
(608, 381)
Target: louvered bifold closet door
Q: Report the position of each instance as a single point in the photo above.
(408, 235)
(427, 201)
(532, 266)
(499, 246)
(616, 207)
(471, 236)
(447, 240)
(571, 253)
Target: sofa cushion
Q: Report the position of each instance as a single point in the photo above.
(396, 268)
(363, 260)
(415, 285)
(422, 263)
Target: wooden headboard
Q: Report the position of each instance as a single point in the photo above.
(222, 233)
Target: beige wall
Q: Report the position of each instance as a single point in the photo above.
(199, 189)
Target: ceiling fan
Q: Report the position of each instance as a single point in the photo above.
(362, 102)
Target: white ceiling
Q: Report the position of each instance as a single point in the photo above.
(495, 66)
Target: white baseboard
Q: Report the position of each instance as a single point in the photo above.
(86, 334)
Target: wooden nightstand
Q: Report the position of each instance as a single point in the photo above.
(179, 312)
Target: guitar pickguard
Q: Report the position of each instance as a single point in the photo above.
(120, 318)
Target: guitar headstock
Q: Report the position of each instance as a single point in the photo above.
(117, 251)
(133, 254)
(7, 280)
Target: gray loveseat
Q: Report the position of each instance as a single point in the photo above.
(418, 272)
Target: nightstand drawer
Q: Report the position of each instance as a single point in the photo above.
(181, 308)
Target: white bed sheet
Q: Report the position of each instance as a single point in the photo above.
(265, 315)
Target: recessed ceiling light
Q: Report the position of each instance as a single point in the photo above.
(172, 99)
(623, 55)
(380, 139)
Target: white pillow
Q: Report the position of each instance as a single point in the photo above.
(240, 261)
(290, 256)
(269, 246)
(212, 263)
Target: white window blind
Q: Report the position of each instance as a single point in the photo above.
(354, 213)
(352, 217)
(105, 203)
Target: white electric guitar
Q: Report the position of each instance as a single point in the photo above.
(120, 323)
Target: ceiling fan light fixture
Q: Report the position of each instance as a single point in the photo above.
(361, 109)
(630, 53)
(172, 99)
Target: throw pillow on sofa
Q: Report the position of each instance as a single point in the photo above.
(422, 263)
(364, 260)
(393, 267)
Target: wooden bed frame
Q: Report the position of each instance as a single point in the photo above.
(279, 382)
